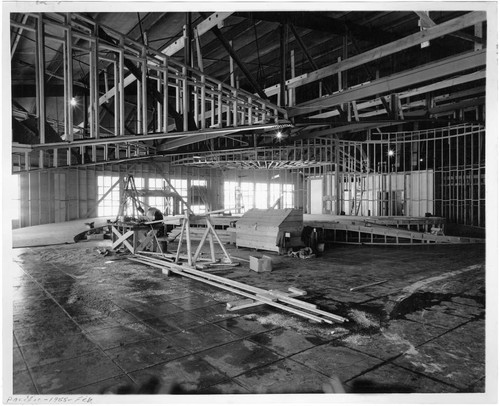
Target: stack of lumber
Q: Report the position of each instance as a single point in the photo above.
(255, 296)
(266, 229)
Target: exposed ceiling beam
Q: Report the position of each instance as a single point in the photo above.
(306, 52)
(194, 137)
(149, 83)
(210, 21)
(319, 22)
(352, 127)
(17, 36)
(385, 50)
(176, 46)
(428, 72)
(428, 22)
(415, 92)
(478, 101)
(363, 126)
(225, 43)
(457, 95)
(187, 136)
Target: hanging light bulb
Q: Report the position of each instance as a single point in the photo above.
(390, 152)
(73, 102)
(279, 135)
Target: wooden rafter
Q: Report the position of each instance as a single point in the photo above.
(386, 50)
(428, 72)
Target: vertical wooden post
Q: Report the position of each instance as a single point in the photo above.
(159, 110)
(185, 99)
(144, 95)
(291, 92)
(219, 106)
(40, 76)
(478, 32)
(96, 91)
(66, 99)
(250, 111)
(337, 189)
(188, 238)
(194, 90)
(121, 69)
(203, 101)
(235, 109)
(116, 99)
(282, 66)
(138, 111)
(165, 95)
(187, 103)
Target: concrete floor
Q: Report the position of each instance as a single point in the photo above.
(88, 324)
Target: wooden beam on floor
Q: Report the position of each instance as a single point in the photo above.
(281, 301)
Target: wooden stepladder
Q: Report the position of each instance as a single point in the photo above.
(209, 233)
(130, 195)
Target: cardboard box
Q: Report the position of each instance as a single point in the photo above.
(263, 264)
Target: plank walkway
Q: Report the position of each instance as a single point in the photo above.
(384, 230)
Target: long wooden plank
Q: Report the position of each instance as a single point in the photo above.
(401, 233)
(262, 294)
(262, 299)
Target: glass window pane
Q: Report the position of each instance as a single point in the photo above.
(111, 203)
(261, 196)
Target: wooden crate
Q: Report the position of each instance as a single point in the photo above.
(266, 229)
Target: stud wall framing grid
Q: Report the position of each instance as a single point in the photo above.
(48, 196)
(441, 170)
(215, 104)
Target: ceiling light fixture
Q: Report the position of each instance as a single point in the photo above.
(73, 102)
(390, 152)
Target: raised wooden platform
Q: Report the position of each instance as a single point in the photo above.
(384, 230)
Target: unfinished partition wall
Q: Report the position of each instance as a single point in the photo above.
(171, 189)
(48, 196)
(439, 171)
(54, 196)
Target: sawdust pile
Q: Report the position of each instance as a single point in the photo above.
(88, 297)
(221, 296)
(363, 319)
(396, 339)
(357, 339)
(139, 327)
(299, 325)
